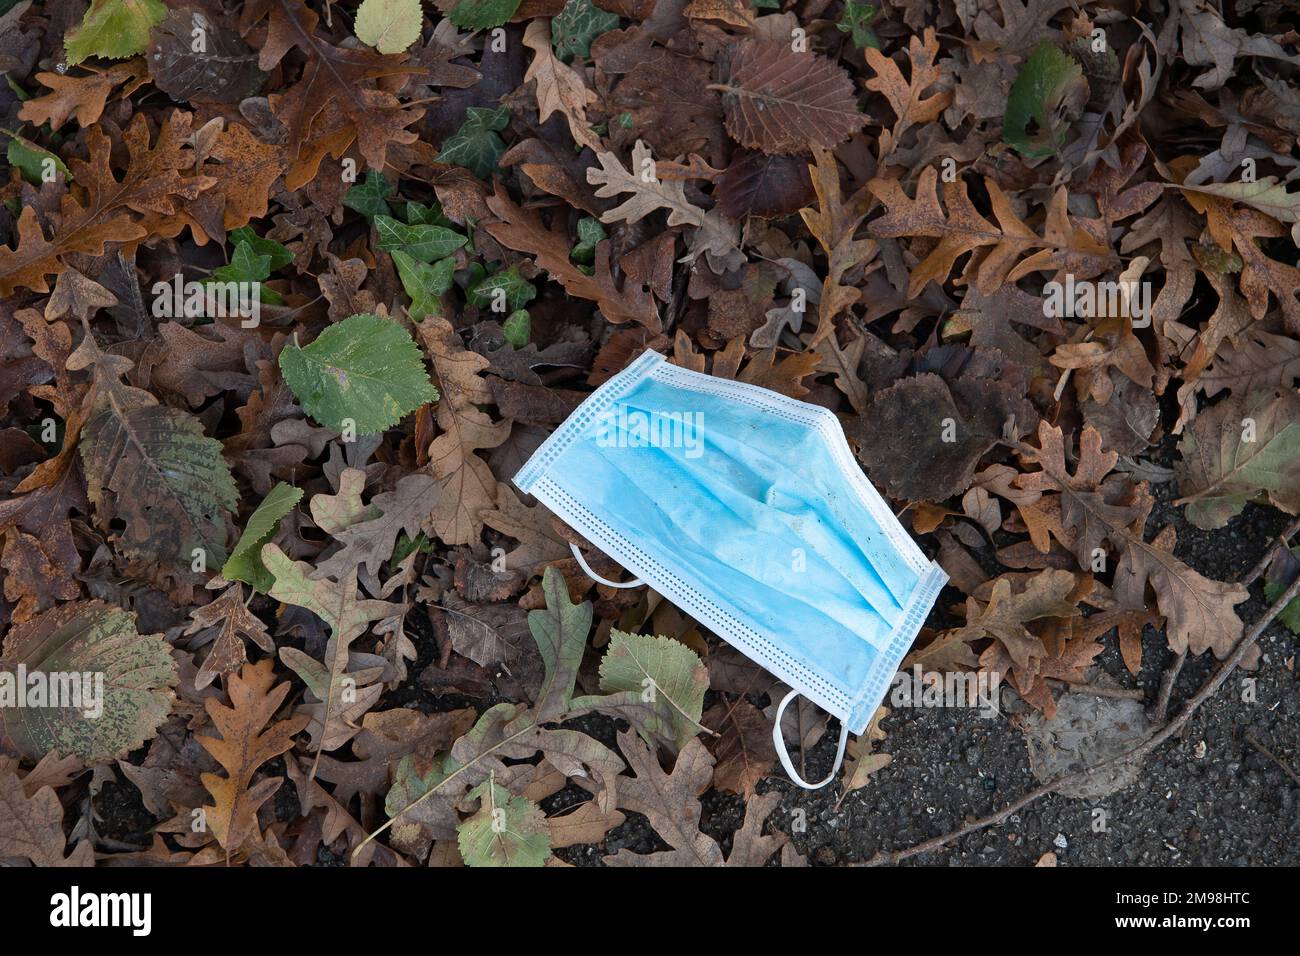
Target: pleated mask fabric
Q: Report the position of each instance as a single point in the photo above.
(746, 509)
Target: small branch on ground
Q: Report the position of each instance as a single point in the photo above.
(1286, 769)
(1262, 564)
(1126, 693)
(1161, 707)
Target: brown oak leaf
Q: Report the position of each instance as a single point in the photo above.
(468, 487)
(246, 740)
(522, 230)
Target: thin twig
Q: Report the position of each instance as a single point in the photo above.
(1286, 769)
(1261, 566)
(1074, 687)
(1136, 753)
(1161, 707)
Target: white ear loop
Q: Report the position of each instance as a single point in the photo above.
(779, 741)
(582, 562)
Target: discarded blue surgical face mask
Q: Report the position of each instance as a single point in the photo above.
(745, 509)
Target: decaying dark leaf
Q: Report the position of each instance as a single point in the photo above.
(105, 687)
(781, 101)
(923, 437)
(223, 70)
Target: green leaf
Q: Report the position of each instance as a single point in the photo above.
(370, 196)
(574, 27)
(1243, 447)
(278, 254)
(406, 545)
(390, 26)
(245, 562)
(32, 161)
(422, 242)
(418, 214)
(507, 830)
(517, 328)
(590, 233)
(424, 283)
(856, 19)
(476, 145)
(365, 369)
(1050, 83)
(561, 635)
(247, 266)
(508, 287)
(123, 705)
(1274, 588)
(657, 683)
(114, 29)
(482, 14)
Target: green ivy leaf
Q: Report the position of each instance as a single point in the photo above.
(390, 26)
(574, 27)
(590, 233)
(278, 254)
(114, 29)
(245, 562)
(517, 328)
(1049, 88)
(517, 291)
(420, 214)
(247, 265)
(422, 242)
(424, 283)
(856, 19)
(370, 196)
(406, 546)
(476, 145)
(482, 14)
(507, 830)
(365, 368)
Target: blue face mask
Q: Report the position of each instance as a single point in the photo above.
(745, 509)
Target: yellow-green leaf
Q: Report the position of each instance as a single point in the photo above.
(390, 26)
(114, 29)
